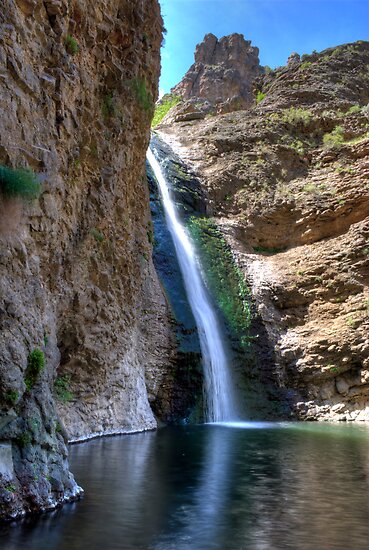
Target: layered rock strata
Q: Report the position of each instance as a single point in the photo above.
(287, 182)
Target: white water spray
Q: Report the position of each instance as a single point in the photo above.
(218, 386)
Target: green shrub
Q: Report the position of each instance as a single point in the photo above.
(295, 116)
(305, 65)
(97, 235)
(71, 45)
(19, 183)
(58, 428)
(334, 138)
(150, 236)
(62, 390)
(259, 97)
(143, 96)
(298, 146)
(166, 103)
(12, 397)
(310, 188)
(24, 439)
(108, 108)
(224, 279)
(36, 364)
(354, 109)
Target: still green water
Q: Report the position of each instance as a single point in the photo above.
(246, 487)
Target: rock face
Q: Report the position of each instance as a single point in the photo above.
(77, 285)
(223, 73)
(288, 183)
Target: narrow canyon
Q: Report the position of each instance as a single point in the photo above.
(270, 174)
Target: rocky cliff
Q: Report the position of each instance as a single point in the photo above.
(287, 182)
(222, 74)
(86, 342)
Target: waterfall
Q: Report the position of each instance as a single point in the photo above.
(219, 401)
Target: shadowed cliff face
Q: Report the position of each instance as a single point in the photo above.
(77, 85)
(287, 182)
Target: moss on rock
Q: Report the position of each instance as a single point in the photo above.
(224, 279)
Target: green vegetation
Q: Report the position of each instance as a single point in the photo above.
(36, 364)
(265, 250)
(97, 235)
(224, 279)
(295, 116)
(350, 321)
(94, 151)
(298, 146)
(24, 439)
(10, 488)
(108, 108)
(344, 169)
(310, 188)
(143, 96)
(354, 109)
(167, 102)
(19, 183)
(71, 45)
(58, 428)
(12, 397)
(334, 138)
(305, 65)
(150, 236)
(259, 97)
(357, 139)
(62, 388)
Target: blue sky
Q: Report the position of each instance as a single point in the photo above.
(276, 27)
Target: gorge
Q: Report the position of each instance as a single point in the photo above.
(250, 279)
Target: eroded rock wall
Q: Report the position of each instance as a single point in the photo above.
(78, 80)
(223, 73)
(287, 181)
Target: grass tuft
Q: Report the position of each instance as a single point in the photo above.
(19, 183)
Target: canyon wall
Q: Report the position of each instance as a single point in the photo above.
(87, 341)
(287, 182)
(221, 77)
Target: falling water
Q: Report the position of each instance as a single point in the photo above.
(218, 387)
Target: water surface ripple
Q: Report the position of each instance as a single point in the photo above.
(239, 486)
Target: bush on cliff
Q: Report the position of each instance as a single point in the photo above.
(62, 388)
(35, 365)
(163, 107)
(19, 183)
(335, 138)
(71, 45)
(143, 96)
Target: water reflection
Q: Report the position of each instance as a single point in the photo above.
(211, 487)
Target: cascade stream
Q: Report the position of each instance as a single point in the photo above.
(219, 393)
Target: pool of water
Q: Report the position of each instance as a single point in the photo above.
(242, 486)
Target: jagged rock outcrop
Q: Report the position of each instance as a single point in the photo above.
(288, 183)
(78, 290)
(222, 74)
